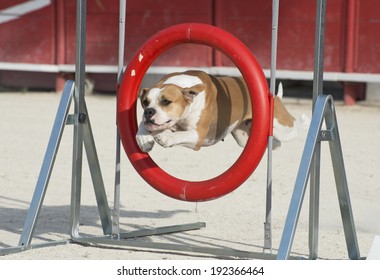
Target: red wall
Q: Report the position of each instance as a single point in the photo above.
(366, 45)
(252, 24)
(47, 36)
(144, 18)
(30, 38)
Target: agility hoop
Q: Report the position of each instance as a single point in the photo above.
(252, 154)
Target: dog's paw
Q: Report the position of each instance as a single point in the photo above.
(145, 142)
(166, 140)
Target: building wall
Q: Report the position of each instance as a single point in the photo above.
(47, 35)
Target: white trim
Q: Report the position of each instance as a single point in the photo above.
(280, 74)
(28, 67)
(230, 71)
(327, 76)
(54, 68)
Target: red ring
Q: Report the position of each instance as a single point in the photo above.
(251, 156)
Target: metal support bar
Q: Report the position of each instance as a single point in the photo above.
(162, 230)
(268, 211)
(96, 175)
(116, 205)
(76, 183)
(342, 185)
(62, 119)
(314, 202)
(320, 28)
(21, 248)
(47, 165)
(316, 166)
(213, 251)
(324, 110)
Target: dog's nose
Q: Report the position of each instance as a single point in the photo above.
(149, 113)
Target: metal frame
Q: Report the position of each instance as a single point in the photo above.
(268, 206)
(323, 110)
(83, 137)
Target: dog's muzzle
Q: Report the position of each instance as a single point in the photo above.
(149, 113)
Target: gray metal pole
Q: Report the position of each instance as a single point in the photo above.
(80, 116)
(116, 205)
(122, 21)
(268, 213)
(319, 49)
(317, 91)
(275, 12)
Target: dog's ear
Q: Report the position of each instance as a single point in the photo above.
(191, 92)
(143, 91)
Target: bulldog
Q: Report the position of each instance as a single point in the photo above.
(194, 109)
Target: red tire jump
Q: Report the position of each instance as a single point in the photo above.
(243, 59)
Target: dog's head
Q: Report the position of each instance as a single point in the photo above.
(166, 104)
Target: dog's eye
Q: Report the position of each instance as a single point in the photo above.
(165, 102)
(145, 102)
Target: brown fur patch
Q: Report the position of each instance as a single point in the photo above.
(173, 94)
(227, 102)
(282, 114)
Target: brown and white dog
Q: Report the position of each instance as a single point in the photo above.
(195, 109)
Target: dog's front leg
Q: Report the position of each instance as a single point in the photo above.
(144, 139)
(188, 138)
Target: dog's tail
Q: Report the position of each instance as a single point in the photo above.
(283, 133)
(280, 91)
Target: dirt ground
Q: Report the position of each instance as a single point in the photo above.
(234, 221)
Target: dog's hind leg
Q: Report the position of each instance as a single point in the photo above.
(241, 133)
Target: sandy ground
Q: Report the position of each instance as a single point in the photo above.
(234, 221)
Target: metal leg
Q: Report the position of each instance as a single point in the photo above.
(314, 203)
(47, 165)
(342, 186)
(96, 175)
(323, 110)
(300, 185)
(268, 205)
(116, 204)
